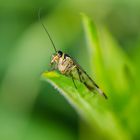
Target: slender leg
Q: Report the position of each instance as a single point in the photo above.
(71, 75)
(79, 75)
(74, 83)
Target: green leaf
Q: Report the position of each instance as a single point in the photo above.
(93, 108)
(95, 54)
(109, 63)
(117, 64)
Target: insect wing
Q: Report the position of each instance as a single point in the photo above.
(88, 81)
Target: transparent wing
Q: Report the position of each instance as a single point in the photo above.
(83, 77)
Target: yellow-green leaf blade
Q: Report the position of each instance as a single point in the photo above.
(93, 108)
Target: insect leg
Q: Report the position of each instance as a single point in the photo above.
(74, 82)
(79, 73)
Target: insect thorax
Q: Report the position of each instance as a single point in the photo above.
(65, 64)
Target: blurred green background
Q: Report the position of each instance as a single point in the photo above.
(31, 109)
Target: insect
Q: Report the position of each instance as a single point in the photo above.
(67, 66)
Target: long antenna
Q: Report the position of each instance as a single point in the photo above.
(46, 30)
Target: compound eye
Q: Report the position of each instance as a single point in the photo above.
(59, 53)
